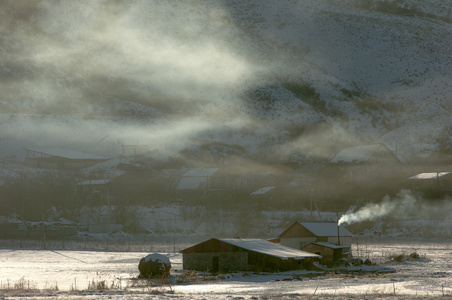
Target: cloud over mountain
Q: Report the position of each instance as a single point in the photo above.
(279, 77)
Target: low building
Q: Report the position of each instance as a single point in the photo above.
(93, 191)
(364, 160)
(431, 183)
(377, 153)
(264, 196)
(230, 255)
(301, 234)
(329, 252)
(203, 183)
(202, 179)
(65, 159)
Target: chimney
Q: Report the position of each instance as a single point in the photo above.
(338, 231)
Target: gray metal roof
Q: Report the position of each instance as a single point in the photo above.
(426, 176)
(362, 153)
(325, 228)
(195, 178)
(191, 183)
(354, 154)
(330, 245)
(263, 190)
(269, 248)
(94, 182)
(66, 153)
(200, 172)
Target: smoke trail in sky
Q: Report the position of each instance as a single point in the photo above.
(402, 203)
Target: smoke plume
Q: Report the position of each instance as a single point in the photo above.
(402, 203)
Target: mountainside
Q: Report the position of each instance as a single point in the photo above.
(270, 78)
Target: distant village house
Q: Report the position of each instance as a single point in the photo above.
(352, 161)
(432, 183)
(198, 183)
(93, 192)
(264, 196)
(64, 159)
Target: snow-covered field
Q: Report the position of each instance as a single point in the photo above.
(75, 274)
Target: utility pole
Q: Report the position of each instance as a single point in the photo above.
(311, 200)
(43, 225)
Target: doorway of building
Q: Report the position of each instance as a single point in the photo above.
(215, 264)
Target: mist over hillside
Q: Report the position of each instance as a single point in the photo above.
(275, 79)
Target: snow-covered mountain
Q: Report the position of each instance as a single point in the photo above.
(275, 78)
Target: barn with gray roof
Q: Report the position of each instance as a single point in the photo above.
(229, 255)
(300, 234)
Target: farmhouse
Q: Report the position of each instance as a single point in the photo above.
(250, 181)
(431, 184)
(93, 192)
(378, 153)
(57, 158)
(354, 161)
(326, 238)
(228, 255)
(199, 183)
(202, 178)
(136, 186)
(264, 196)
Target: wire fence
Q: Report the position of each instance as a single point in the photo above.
(142, 244)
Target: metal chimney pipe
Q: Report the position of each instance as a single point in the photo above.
(338, 234)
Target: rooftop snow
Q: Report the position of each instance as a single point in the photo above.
(269, 248)
(200, 172)
(355, 154)
(191, 183)
(66, 153)
(330, 245)
(361, 153)
(94, 182)
(433, 175)
(325, 228)
(263, 190)
(194, 178)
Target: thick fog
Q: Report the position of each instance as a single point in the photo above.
(121, 59)
(256, 85)
(277, 78)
